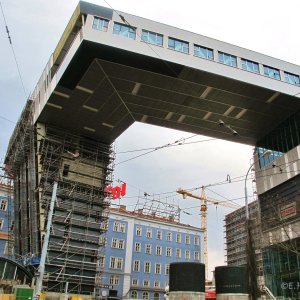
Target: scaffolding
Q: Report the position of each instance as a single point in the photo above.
(6, 186)
(151, 206)
(37, 156)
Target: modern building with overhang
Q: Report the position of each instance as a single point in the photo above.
(111, 69)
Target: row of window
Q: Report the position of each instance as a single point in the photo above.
(115, 280)
(199, 51)
(159, 250)
(146, 282)
(169, 235)
(145, 295)
(147, 267)
(116, 263)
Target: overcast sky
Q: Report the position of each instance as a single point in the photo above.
(270, 27)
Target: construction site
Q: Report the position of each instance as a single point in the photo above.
(101, 78)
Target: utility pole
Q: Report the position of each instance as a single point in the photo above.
(41, 269)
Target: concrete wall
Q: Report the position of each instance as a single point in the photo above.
(286, 167)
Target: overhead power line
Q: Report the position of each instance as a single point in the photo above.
(13, 51)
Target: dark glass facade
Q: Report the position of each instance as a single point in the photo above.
(284, 137)
(282, 269)
(280, 208)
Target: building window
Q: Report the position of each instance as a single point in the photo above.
(136, 266)
(291, 78)
(157, 268)
(114, 279)
(169, 236)
(148, 249)
(116, 226)
(156, 283)
(124, 30)
(167, 269)
(1, 223)
(178, 238)
(119, 227)
(168, 251)
(250, 66)
(272, 72)
(3, 205)
(134, 282)
(122, 227)
(203, 52)
(116, 263)
(101, 261)
(159, 235)
(158, 250)
(156, 296)
(145, 295)
(100, 24)
(119, 263)
(147, 267)
(178, 253)
(187, 254)
(196, 256)
(196, 241)
(137, 247)
(114, 243)
(227, 59)
(152, 37)
(178, 45)
(138, 231)
(146, 283)
(187, 239)
(121, 244)
(149, 233)
(134, 294)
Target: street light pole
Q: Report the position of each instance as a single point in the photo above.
(246, 193)
(250, 254)
(265, 154)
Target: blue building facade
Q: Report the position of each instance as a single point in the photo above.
(6, 221)
(139, 251)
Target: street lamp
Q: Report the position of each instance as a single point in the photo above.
(265, 154)
(250, 256)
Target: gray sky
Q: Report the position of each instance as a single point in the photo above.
(270, 27)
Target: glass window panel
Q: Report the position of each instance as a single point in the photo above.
(144, 36)
(152, 38)
(159, 40)
(116, 29)
(202, 52)
(221, 57)
(171, 43)
(210, 54)
(124, 30)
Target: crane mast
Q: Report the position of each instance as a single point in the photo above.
(203, 213)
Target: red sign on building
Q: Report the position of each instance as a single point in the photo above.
(116, 191)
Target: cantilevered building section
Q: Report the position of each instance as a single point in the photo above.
(108, 71)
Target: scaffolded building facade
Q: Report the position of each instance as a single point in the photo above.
(39, 155)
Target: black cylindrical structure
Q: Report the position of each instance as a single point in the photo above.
(187, 276)
(231, 280)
